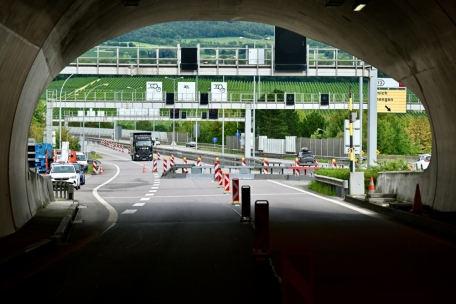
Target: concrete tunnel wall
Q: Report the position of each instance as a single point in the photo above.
(413, 41)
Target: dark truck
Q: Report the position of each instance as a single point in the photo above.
(141, 144)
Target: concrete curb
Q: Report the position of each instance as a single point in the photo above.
(59, 235)
(421, 221)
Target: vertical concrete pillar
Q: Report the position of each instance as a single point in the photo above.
(372, 119)
(248, 131)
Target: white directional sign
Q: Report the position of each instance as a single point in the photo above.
(256, 56)
(388, 83)
(186, 91)
(356, 136)
(154, 91)
(219, 91)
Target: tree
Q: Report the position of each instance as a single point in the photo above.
(311, 123)
(66, 136)
(420, 134)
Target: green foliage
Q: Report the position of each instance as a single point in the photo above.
(371, 171)
(74, 143)
(322, 188)
(311, 123)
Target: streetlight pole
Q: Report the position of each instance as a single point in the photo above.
(60, 112)
(83, 115)
(174, 108)
(134, 99)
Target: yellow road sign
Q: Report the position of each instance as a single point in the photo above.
(391, 101)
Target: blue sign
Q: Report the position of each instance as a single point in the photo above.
(238, 134)
(214, 140)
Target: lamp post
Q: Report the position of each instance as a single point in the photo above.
(174, 108)
(83, 114)
(134, 100)
(134, 92)
(60, 112)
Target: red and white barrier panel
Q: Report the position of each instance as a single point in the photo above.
(129, 150)
(226, 183)
(265, 163)
(165, 165)
(94, 167)
(245, 204)
(123, 149)
(216, 168)
(297, 171)
(235, 194)
(243, 161)
(158, 155)
(171, 161)
(185, 170)
(155, 168)
(198, 162)
(297, 275)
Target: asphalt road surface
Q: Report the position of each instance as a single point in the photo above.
(142, 238)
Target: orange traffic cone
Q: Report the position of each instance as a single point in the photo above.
(371, 185)
(417, 205)
(101, 170)
(144, 168)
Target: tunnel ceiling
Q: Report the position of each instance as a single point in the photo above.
(413, 41)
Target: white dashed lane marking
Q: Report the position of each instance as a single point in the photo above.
(149, 194)
(129, 211)
(152, 190)
(145, 199)
(139, 204)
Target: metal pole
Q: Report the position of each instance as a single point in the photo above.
(253, 122)
(360, 158)
(60, 112)
(223, 131)
(372, 119)
(352, 153)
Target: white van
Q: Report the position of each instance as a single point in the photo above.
(81, 159)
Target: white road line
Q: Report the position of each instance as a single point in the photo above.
(149, 194)
(363, 211)
(113, 216)
(145, 199)
(129, 211)
(139, 204)
(152, 190)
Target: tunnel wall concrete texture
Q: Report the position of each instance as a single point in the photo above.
(413, 41)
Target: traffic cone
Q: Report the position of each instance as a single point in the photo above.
(371, 185)
(101, 170)
(417, 205)
(144, 168)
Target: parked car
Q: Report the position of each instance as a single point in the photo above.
(65, 173)
(190, 144)
(81, 159)
(306, 157)
(423, 161)
(80, 171)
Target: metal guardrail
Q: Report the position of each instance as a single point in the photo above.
(63, 190)
(340, 184)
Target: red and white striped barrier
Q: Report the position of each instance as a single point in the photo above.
(198, 162)
(165, 165)
(155, 168)
(171, 161)
(185, 170)
(216, 167)
(243, 161)
(297, 171)
(123, 149)
(226, 183)
(235, 196)
(158, 156)
(265, 163)
(220, 179)
(129, 150)
(94, 167)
